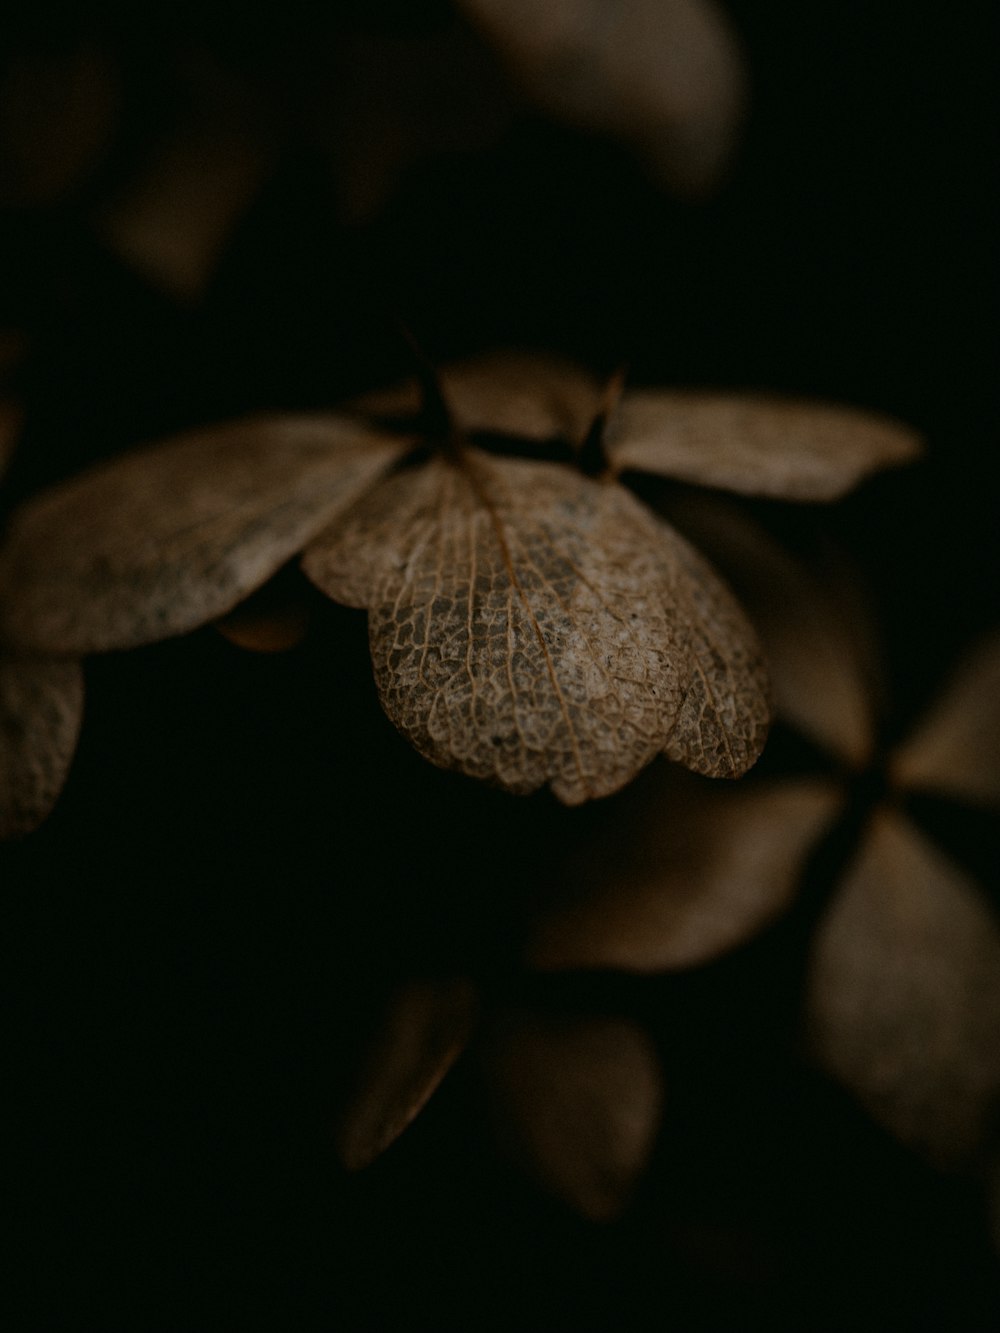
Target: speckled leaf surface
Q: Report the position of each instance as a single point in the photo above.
(529, 625)
(160, 541)
(41, 708)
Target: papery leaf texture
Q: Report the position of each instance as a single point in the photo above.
(819, 652)
(162, 540)
(903, 1002)
(955, 749)
(579, 1101)
(423, 1032)
(529, 625)
(754, 444)
(681, 871)
(41, 708)
(530, 395)
(667, 76)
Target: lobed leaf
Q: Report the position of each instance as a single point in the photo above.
(580, 1101)
(160, 541)
(783, 448)
(41, 709)
(955, 750)
(529, 625)
(424, 1031)
(903, 1002)
(530, 395)
(683, 873)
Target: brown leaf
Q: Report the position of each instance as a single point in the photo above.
(784, 448)
(956, 749)
(425, 1030)
(817, 650)
(664, 75)
(682, 873)
(904, 996)
(528, 394)
(172, 221)
(41, 707)
(529, 625)
(161, 541)
(580, 1100)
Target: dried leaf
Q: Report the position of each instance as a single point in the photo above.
(161, 541)
(425, 1030)
(529, 625)
(904, 995)
(41, 708)
(527, 394)
(171, 223)
(785, 448)
(956, 749)
(664, 75)
(817, 653)
(684, 873)
(580, 1100)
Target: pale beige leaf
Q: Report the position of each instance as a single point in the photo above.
(956, 748)
(172, 221)
(756, 445)
(684, 871)
(903, 1000)
(424, 1031)
(579, 1100)
(817, 650)
(531, 395)
(664, 75)
(529, 625)
(41, 708)
(160, 541)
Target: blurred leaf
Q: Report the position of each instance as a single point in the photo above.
(160, 541)
(666, 76)
(41, 707)
(955, 750)
(579, 1100)
(783, 448)
(684, 872)
(529, 625)
(904, 993)
(424, 1031)
(817, 650)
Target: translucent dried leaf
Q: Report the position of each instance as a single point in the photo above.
(529, 625)
(41, 708)
(664, 75)
(956, 749)
(172, 221)
(160, 541)
(426, 1028)
(684, 873)
(580, 1101)
(784, 448)
(904, 994)
(817, 651)
(527, 394)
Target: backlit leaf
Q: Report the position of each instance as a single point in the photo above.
(160, 541)
(664, 75)
(579, 1100)
(531, 395)
(423, 1033)
(956, 749)
(784, 448)
(529, 625)
(681, 871)
(904, 994)
(41, 707)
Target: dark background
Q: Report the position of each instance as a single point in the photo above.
(195, 944)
